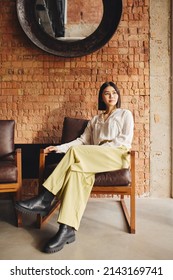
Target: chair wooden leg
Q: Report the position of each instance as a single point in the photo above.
(39, 221)
(18, 196)
(130, 219)
(18, 215)
(19, 219)
(125, 212)
(42, 219)
(132, 216)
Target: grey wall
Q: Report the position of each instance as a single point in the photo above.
(160, 98)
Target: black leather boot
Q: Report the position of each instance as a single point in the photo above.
(40, 204)
(65, 235)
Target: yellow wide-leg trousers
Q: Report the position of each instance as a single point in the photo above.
(74, 176)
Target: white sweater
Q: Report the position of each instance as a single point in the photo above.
(117, 129)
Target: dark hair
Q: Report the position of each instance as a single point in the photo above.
(101, 104)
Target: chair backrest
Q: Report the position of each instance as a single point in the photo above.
(7, 139)
(72, 128)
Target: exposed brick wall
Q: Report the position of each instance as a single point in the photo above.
(38, 89)
(80, 11)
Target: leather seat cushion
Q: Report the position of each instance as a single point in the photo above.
(112, 178)
(120, 177)
(8, 172)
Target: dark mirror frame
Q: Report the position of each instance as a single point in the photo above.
(112, 10)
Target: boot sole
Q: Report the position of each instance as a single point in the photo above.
(56, 249)
(31, 212)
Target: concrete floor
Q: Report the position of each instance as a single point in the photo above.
(102, 235)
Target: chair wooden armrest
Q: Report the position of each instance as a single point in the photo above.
(18, 160)
(130, 215)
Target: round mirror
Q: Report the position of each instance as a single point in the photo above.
(69, 28)
(68, 20)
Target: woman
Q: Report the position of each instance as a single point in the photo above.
(103, 146)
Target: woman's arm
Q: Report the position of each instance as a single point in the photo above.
(126, 135)
(84, 139)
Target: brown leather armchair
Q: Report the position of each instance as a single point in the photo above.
(119, 182)
(10, 164)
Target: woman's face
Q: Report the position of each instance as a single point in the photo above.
(110, 97)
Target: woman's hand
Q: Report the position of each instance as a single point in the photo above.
(50, 149)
